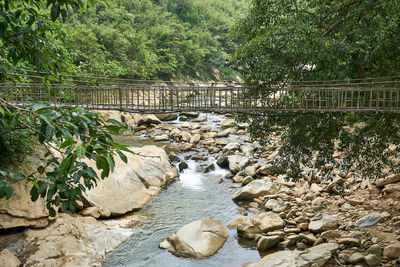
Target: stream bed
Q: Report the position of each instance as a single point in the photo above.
(194, 197)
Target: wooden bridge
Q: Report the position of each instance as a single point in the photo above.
(364, 95)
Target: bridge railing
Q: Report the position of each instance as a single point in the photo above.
(366, 95)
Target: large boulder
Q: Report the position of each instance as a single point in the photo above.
(231, 147)
(8, 259)
(20, 211)
(133, 185)
(74, 241)
(201, 238)
(161, 138)
(145, 119)
(255, 189)
(260, 223)
(227, 123)
(190, 114)
(112, 115)
(268, 169)
(223, 161)
(237, 163)
(315, 256)
(167, 116)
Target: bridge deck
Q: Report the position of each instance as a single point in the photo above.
(381, 95)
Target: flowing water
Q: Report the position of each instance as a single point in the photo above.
(194, 197)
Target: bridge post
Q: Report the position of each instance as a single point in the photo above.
(120, 98)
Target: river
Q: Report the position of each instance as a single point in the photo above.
(194, 197)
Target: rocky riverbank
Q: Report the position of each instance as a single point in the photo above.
(357, 219)
(81, 239)
(307, 219)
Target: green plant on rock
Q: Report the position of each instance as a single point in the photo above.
(74, 140)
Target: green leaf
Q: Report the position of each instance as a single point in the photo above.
(41, 169)
(67, 142)
(18, 13)
(2, 111)
(40, 106)
(42, 189)
(72, 207)
(17, 176)
(111, 162)
(102, 164)
(64, 15)
(31, 20)
(52, 212)
(122, 147)
(122, 156)
(46, 117)
(65, 206)
(49, 133)
(49, 2)
(34, 193)
(14, 120)
(9, 192)
(65, 167)
(80, 151)
(115, 122)
(42, 133)
(55, 11)
(3, 27)
(70, 148)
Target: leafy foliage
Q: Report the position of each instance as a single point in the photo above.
(73, 138)
(15, 144)
(291, 40)
(367, 144)
(30, 34)
(303, 40)
(162, 39)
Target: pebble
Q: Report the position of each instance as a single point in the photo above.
(292, 230)
(301, 245)
(308, 238)
(375, 249)
(348, 241)
(303, 226)
(372, 260)
(355, 257)
(253, 204)
(267, 242)
(318, 241)
(392, 251)
(370, 220)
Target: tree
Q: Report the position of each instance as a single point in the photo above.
(71, 137)
(303, 40)
(31, 35)
(292, 40)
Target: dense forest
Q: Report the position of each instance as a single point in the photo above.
(147, 39)
(162, 39)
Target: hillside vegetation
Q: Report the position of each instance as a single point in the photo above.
(159, 39)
